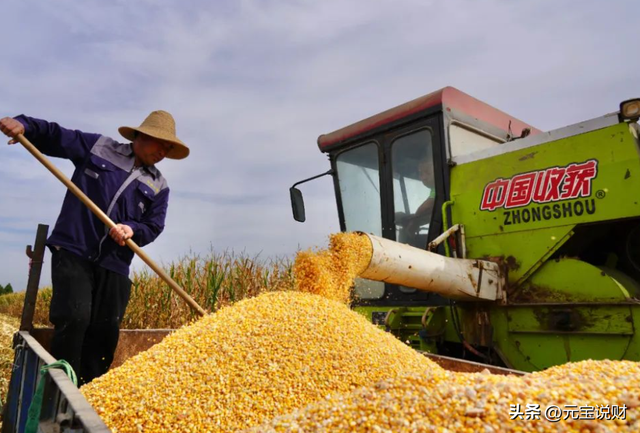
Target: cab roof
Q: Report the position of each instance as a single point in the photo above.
(453, 102)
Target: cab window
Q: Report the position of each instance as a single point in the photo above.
(359, 184)
(413, 187)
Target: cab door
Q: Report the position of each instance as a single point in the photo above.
(415, 177)
(416, 184)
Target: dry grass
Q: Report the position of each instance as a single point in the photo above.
(214, 281)
(10, 313)
(8, 327)
(11, 305)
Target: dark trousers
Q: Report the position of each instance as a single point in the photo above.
(86, 310)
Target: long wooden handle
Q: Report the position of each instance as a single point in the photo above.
(105, 219)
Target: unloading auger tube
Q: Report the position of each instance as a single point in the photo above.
(459, 279)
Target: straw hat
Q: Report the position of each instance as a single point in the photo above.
(159, 124)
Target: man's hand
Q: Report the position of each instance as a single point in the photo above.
(402, 218)
(11, 127)
(121, 233)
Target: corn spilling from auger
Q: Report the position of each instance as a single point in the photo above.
(330, 272)
(304, 362)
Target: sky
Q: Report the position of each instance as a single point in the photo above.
(252, 84)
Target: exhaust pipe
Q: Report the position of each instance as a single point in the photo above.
(459, 279)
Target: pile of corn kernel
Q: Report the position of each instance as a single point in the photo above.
(330, 273)
(482, 402)
(248, 363)
(304, 362)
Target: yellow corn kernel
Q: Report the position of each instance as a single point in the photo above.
(302, 361)
(248, 363)
(331, 272)
(479, 402)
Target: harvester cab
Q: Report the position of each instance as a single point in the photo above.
(552, 217)
(391, 172)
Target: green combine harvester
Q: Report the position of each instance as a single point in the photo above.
(494, 245)
(494, 241)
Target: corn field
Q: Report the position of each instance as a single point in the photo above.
(8, 327)
(11, 305)
(213, 281)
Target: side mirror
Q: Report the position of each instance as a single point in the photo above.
(297, 204)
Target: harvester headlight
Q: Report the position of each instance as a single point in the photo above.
(630, 110)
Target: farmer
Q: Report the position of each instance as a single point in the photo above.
(411, 223)
(90, 264)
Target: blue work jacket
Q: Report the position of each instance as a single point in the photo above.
(105, 172)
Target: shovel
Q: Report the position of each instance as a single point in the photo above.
(107, 221)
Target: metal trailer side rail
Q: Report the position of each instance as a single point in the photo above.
(465, 366)
(64, 408)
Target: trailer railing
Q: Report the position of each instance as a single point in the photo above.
(64, 408)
